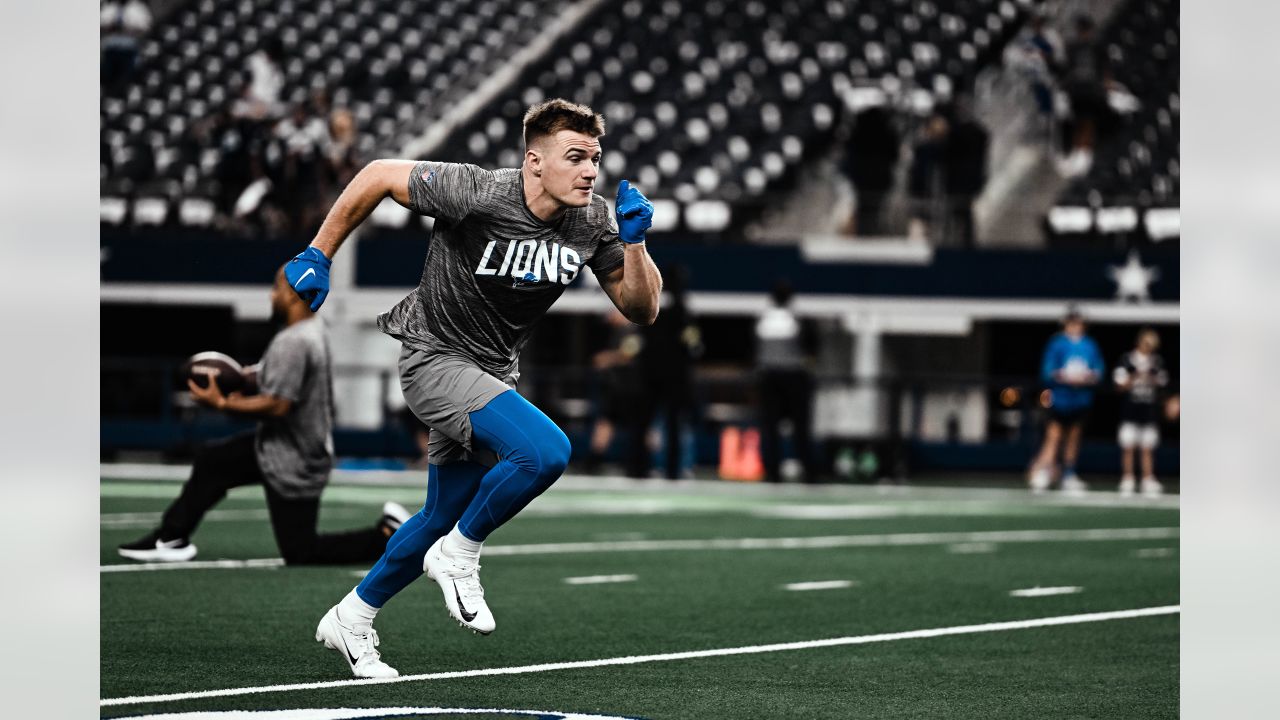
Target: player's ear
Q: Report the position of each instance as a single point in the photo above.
(533, 159)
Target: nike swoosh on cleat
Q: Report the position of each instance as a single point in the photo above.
(462, 610)
(310, 271)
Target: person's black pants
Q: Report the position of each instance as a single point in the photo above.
(670, 403)
(231, 462)
(786, 395)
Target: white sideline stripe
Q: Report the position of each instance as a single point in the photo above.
(783, 543)
(599, 579)
(664, 657)
(818, 585)
(1046, 591)
(1158, 552)
(195, 565)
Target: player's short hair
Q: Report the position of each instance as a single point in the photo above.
(550, 117)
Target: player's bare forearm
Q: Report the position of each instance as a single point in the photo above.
(263, 405)
(260, 406)
(377, 180)
(639, 287)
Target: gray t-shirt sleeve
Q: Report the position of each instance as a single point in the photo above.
(609, 255)
(447, 191)
(284, 367)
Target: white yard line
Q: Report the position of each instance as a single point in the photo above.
(783, 543)
(150, 519)
(1156, 552)
(599, 579)
(818, 585)
(663, 657)
(1046, 591)
(973, 548)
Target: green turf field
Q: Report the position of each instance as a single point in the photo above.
(709, 564)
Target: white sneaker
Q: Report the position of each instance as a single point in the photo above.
(152, 549)
(459, 580)
(356, 645)
(1127, 486)
(1151, 487)
(1039, 480)
(1073, 485)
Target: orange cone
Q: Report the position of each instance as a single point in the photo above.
(730, 442)
(750, 467)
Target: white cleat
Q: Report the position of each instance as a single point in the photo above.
(1127, 486)
(1073, 485)
(1039, 481)
(356, 645)
(1151, 487)
(459, 580)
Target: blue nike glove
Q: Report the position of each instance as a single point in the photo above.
(634, 213)
(308, 275)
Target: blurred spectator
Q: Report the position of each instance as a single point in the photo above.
(122, 25)
(260, 99)
(964, 172)
(666, 358)
(1036, 53)
(922, 177)
(1072, 366)
(785, 385)
(1083, 76)
(304, 138)
(621, 389)
(341, 153)
(1139, 376)
(869, 162)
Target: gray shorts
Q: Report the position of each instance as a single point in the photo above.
(442, 390)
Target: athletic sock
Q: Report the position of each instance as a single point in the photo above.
(461, 546)
(353, 610)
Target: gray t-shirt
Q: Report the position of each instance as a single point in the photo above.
(295, 452)
(493, 268)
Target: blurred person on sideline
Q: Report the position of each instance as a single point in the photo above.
(1071, 369)
(621, 390)
(964, 171)
(869, 162)
(1139, 376)
(785, 385)
(505, 245)
(289, 453)
(670, 347)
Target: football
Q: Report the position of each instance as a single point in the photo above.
(215, 366)
(249, 376)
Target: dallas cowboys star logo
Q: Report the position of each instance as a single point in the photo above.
(1133, 279)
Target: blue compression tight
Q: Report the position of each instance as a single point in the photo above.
(532, 454)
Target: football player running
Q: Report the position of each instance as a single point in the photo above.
(506, 243)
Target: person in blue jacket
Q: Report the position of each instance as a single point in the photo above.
(1071, 368)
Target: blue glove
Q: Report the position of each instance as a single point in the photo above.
(308, 275)
(634, 213)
